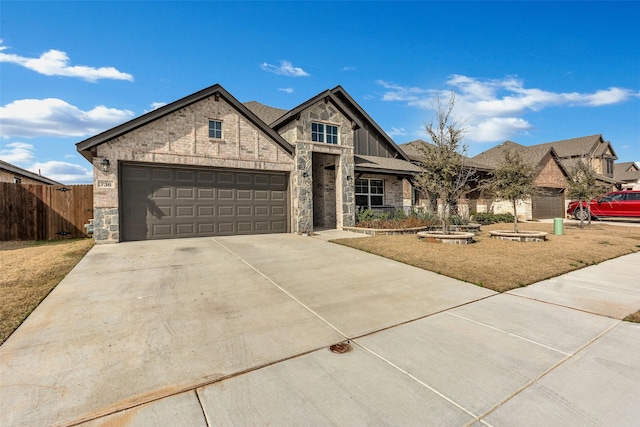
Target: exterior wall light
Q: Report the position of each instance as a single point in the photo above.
(105, 165)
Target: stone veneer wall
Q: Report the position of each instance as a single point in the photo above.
(182, 138)
(327, 113)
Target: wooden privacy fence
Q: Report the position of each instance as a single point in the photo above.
(44, 212)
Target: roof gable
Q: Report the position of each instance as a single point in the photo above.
(349, 101)
(85, 147)
(327, 96)
(584, 146)
(27, 174)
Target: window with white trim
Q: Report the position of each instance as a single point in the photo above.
(369, 192)
(215, 129)
(321, 132)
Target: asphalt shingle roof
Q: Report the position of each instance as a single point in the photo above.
(264, 112)
(380, 164)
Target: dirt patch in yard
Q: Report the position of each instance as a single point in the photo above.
(503, 265)
(30, 270)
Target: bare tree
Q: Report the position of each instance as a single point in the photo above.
(583, 186)
(512, 180)
(445, 173)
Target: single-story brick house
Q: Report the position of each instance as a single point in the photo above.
(209, 165)
(17, 175)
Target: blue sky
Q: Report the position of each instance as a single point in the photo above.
(530, 72)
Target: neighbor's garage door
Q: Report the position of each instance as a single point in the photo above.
(548, 204)
(164, 202)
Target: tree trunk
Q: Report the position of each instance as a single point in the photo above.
(515, 218)
(581, 215)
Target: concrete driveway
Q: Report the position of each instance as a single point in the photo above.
(236, 331)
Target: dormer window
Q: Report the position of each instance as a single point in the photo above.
(321, 132)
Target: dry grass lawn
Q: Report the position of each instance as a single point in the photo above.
(30, 270)
(503, 265)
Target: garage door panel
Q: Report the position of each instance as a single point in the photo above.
(226, 195)
(206, 193)
(161, 230)
(185, 211)
(206, 211)
(261, 195)
(261, 210)
(225, 211)
(278, 180)
(244, 211)
(161, 174)
(278, 226)
(162, 193)
(245, 227)
(225, 178)
(173, 202)
(185, 230)
(206, 228)
(244, 195)
(206, 177)
(183, 175)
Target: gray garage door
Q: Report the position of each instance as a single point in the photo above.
(166, 202)
(548, 204)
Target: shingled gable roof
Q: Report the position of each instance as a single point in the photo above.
(584, 146)
(533, 155)
(339, 91)
(626, 171)
(327, 96)
(85, 147)
(27, 174)
(412, 150)
(264, 112)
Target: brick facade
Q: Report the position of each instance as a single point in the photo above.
(182, 138)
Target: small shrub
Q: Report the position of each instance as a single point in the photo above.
(366, 215)
(399, 215)
(486, 218)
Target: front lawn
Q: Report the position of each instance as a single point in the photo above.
(503, 265)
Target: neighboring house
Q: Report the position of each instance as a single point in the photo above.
(414, 152)
(208, 165)
(15, 174)
(629, 174)
(551, 180)
(593, 150)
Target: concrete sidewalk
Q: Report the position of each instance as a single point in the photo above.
(236, 330)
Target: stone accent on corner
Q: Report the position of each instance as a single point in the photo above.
(106, 225)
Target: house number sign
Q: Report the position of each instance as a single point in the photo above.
(102, 183)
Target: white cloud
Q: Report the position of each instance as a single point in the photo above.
(348, 68)
(397, 92)
(286, 68)
(55, 117)
(286, 90)
(67, 173)
(155, 106)
(56, 63)
(396, 132)
(492, 109)
(17, 153)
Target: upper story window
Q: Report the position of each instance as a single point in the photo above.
(609, 164)
(17, 180)
(324, 133)
(215, 129)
